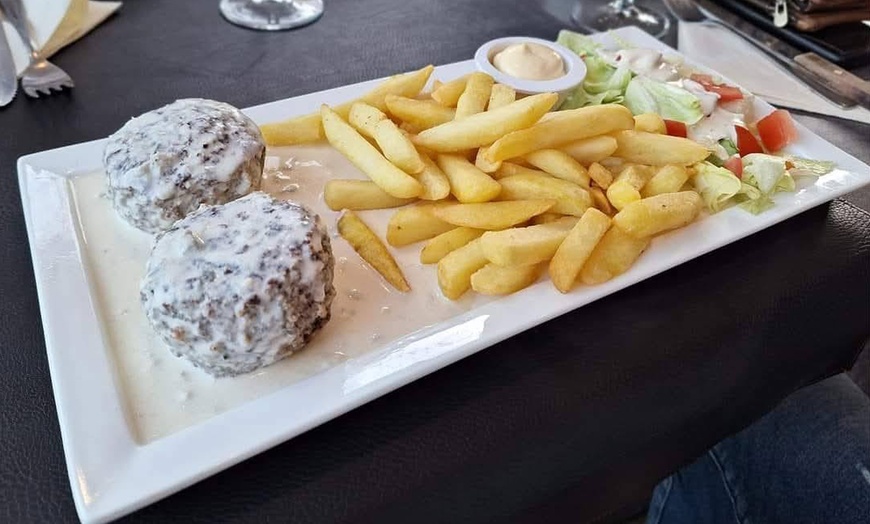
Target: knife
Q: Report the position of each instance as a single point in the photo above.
(8, 76)
(831, 80)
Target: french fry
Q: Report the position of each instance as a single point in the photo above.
(507, 169)
(571, 199)
(482, 129)
(371, 249)
(656, 214)
(366, 157)
(467, 183)
(576, 248)
(650, 123)
(438, 247)
(600, 174)
(492, 279)
(561, 128)
(397, 148)
(621, 194)
(359, 195)
(413, 224)
(558, 164)
(592, 149)
(635, 175)
(364, 118)
(492, 215)
(599, 199)
(475, 96)
(421, 114)
(448, 93)
(522, 246)
(545, 218)
(668, 179)
(614, 254)
(435, 184)
(456, 268)
(657, 150)
(309, 128)
(500, 96)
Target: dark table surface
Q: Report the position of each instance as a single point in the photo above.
(574, 420)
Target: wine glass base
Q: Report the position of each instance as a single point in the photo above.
(271, 15)
(596, 17)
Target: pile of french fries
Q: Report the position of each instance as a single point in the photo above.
(499, 188)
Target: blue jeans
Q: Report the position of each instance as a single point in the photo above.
(807, 461)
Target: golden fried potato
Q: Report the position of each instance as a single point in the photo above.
(492, 215)
(366, 157)
(521, 246)
(397, 147)
(656, 214)
(500, 96)
(421, 114)
(476, 95)
(364, 118)
(467, 183)
(576, 248)
(650, 123)
(668, 179)
(545, 218)
(308, 128)
(600, 174)
(435, 184)
(371, 249)
(507, 169)
(571, 199)
(657, 150)
(599, 199)
(482, 129)
(413, 224)
(561, 128)
(558, 164)
(456, 268)
(438, 247)
(359, 195)
(592, 149)
(621, 194)
(481, 163)
(448, 93)
(614, 254)
(492, 279)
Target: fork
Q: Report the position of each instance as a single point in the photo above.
(41, 76)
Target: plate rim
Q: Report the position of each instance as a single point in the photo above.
(109, 505)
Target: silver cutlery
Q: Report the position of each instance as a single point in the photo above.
(825, 78)
(41, 76)
(8, 78)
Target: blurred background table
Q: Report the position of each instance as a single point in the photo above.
(577, 418)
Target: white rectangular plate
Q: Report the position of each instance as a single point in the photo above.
(111, 474)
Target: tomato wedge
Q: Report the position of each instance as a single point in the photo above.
(746, 142)
(735, 165)
(676, 128)
(777, 130)
(726, 92)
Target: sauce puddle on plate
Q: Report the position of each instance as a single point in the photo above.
(165, 394)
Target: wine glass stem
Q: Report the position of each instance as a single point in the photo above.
(622, 5)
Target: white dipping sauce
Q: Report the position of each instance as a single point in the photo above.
(165, 394)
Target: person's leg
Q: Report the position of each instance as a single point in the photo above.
(807, 461)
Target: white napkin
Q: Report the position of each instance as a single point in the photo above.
(742, 62)
(56, 23)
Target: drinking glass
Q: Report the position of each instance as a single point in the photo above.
(271, 15)
(596, 16)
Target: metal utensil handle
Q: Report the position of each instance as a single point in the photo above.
(825, 72)
(14, 12)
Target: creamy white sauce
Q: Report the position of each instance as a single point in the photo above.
(647, 62)
(717, 125)
(165, 394)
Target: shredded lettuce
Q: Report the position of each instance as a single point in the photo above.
(729, 147)
(763, 171)
(604, 83)
(645, 95)
(807, 167)
(716, 185)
